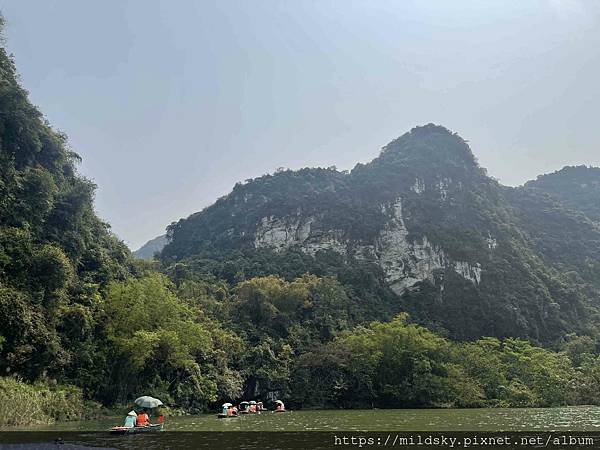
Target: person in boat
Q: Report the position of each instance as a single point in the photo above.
(252, 407)
(234, 411)
(142, 419)
(130, 419)
(260, 407)
(226, 410)
(279, 406)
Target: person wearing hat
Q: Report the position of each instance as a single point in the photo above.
(130, 419)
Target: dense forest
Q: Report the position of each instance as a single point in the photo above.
(412, 281)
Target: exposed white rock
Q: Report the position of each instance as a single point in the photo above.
(281, 234)
(273, 234)
(442, 186)
(469, 272)
(394, 251)
(330, 241)
(404, 262)
(491, 242)
(419, 186)
(364, 252)
(303, 230)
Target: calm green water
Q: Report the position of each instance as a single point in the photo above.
(582, 418)
(179, 430)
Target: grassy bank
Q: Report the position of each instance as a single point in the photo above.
(24, 404)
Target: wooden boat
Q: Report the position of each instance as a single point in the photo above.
(225, 416)
(126, 430)
(280, 411)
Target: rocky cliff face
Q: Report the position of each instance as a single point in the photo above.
(404, 262)
(421, 228)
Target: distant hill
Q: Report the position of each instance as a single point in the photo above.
(576, 186)
(150, 248)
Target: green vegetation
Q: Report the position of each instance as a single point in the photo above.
(55, 254)
(577, 187)
(160, 344)
(26, 404)
(217, 317)
(564, 234)
(399, 364)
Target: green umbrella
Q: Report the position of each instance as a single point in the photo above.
(148, 402)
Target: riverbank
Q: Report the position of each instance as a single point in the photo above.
(24, 404)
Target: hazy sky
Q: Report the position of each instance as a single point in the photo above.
(170, 103)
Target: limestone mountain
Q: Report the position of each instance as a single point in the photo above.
(150, 248)
(421, 228)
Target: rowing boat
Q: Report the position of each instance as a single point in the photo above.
(147, 429)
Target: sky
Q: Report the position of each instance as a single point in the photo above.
(170, 103)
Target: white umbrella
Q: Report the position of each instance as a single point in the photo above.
(148, 402)
(227, 405)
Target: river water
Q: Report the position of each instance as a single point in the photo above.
(580, 418)
(178, 429)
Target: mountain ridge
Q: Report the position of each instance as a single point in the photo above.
(435, 235)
